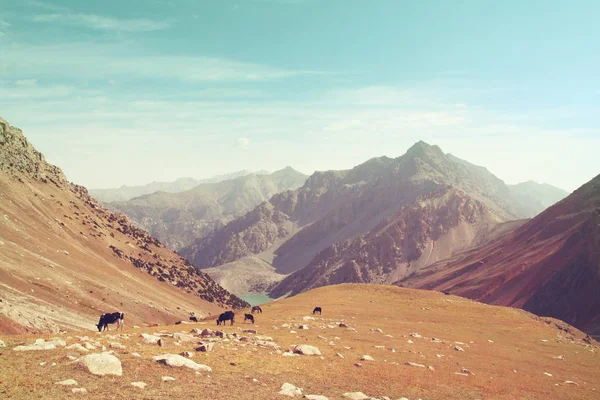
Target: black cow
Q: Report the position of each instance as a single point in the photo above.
(317, 310)
(257, 309)
(226, 316)
(249, 317)
(105, 319)
(193, 317)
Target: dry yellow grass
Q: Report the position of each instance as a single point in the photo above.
(518, 344)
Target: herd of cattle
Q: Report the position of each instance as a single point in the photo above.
(118, 317)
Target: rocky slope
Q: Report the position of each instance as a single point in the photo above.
(334, 206)
(372, 342)
(420, 233)
(537, 196)
(177, 219)
(550, 265)
(64, 259)
(125, 192)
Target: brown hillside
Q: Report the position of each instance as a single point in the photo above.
(64, 259)
(507, 353)
(550, 265)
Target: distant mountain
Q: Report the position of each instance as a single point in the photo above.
(177, 219)
(65, 259)
(337, 212)
(125, 193)
(538, 196)
(549, 266)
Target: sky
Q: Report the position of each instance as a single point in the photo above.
(134, 91)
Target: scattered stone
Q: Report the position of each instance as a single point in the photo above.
(175, 360)
(356, 396)
(561, 357)
(187, 354)
(161, 342)
(380, 347)
(150, 339)
(436, 340)
(412, 364)
(79, 390)
(367, 358)
(302, 326)
(547, 374)
(205, 347)
(306, 350)
(207, 332)
(309, 318)
(342, 325)
(466, 371)
(358, 365)
(140, 385)
(287, 389)
(458, 348)
(71, 358)
(409, 341)
(490, 341)
(101, 364)
(315, 397)
(68, 382)
(286, 326)
(571, 383)
(168, 379)
(416, 335)
(289, 353)
(339, 355)
(183, 337)
(136, 355)
(41, 344)
(2, 344)
(78, 347)
(431, 368)
(250, 331)
(116, 345)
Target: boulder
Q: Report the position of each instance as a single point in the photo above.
(367, 358)
(140, 385)
(205, 347)
(287, 389)
(175, 360)
(101, 364)
(68, 382)
(41, 344)
(356, 396)
(184, 337)
(150, 339)
(306, 350)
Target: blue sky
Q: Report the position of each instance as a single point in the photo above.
(128, 92)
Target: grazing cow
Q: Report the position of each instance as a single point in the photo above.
(226, 316)
(317, 310)
(193, 317)
(249, 317)
(105, 319)
(257, 309)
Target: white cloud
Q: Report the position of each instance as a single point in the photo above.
(26, 82)
(82, 61)
(99, 22)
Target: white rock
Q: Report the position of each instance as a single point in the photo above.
(287, 389)
(412, 364)
(409, 341)
(140, 385)
(175, 360)
(303, 326)
(150, 339)
(307, 350)
(356, 396)
(39, 344)
(458, 348)
(547, 374)
(79, 390)
(289, 354)
(184, 337)
(136, 355)
(367, 358)
(205, 347)
(571, 383)
(309, 318)
(340, 355)
(78, 347)
(2, 344)
(68, 382)
(315, 397)
(101, 364)
(168, 379)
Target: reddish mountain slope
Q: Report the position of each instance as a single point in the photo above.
(64, 259)
(425, 231)
(550, 266)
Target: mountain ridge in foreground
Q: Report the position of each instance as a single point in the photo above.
(549, 266)
(65, 259)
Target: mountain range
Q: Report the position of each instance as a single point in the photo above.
(125, 192)
(177, 219)
(65, 259)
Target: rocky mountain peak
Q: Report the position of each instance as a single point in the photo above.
(17, 155)
(422, 149)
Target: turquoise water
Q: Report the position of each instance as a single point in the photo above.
(256, 299)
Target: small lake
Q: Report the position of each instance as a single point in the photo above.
(256, 299)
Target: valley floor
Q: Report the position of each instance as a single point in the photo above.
(459, 349)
